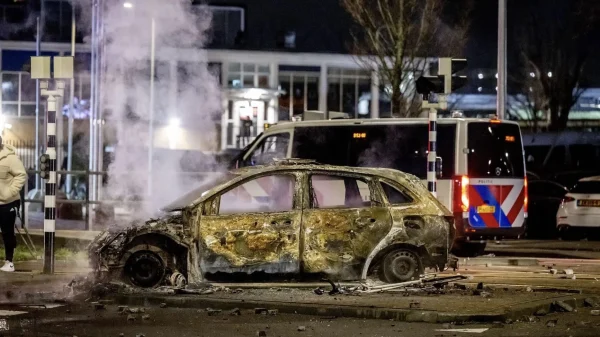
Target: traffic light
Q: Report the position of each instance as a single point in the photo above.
(447, 80)
(45, 166)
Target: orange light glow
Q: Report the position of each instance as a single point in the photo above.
(495, 121)
(526, 200)
(464, 193)
(509, 138)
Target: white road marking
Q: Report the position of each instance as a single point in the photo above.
(472, 330)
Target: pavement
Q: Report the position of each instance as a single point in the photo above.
(69, 319)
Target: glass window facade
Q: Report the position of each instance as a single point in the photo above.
(345, 89)
(300, 92)
(248, 75)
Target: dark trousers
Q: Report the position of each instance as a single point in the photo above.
(8, 216)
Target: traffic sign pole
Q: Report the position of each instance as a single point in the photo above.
(40, 69)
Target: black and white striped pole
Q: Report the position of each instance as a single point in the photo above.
(442, 85)
(40, 69)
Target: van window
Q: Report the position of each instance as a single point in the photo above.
(271, 147)
(401, 147)
(495, 150)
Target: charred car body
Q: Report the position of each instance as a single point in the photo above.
(290, 217)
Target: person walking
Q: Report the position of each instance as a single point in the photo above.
(12, 178)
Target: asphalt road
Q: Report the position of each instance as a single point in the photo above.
(82, 320)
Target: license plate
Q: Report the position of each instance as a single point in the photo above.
(486, 209)
(588, 203)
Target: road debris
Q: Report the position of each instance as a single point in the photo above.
(552, 323)
(260, 311)
(122, 308)
(163, 305)
(553, 271)
(471, 330)
(301, 328)
(98, 306)
(562, 306)
(590, 302)
(261, 333)
(595, 312)
(131, 318)
(213, 312)
(145, 317)
(235, 312)
(541, 312)
(568, 272)
(136, 310)
(273, 312)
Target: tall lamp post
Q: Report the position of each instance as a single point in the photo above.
(40, 69)
(501, 84)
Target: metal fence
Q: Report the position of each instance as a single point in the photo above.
(78, 209)
(26, 152)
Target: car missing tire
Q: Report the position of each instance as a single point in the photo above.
(292, 217)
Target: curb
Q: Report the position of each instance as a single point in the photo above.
(370, 312)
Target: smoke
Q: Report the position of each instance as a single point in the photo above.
(187, 98)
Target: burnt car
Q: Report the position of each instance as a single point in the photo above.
(290, 217)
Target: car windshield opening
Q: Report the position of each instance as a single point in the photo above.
(188, 198)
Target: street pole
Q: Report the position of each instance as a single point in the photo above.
(40, 69)
(71, 105)
(501, 101)
(151, 121)
(38, 39)
(432, 153)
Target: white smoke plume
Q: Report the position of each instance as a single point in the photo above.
(180, 32)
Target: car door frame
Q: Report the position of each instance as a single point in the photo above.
(377, 201)
(210, 211)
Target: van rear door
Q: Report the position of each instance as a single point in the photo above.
(496, 171)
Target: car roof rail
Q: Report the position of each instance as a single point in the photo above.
(294, 161)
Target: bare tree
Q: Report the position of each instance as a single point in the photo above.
(555, 41)
(395, 37)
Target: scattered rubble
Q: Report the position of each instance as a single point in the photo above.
(131, 318)
(568, 272)
(590, 302)
(122, 308)
(163, 305)
(301, 328)
(145, 317)
(273, 312)
(98, 306)
(261, 333)
(552, 323)
(595, 312)
(235, 312)
(553, 271)
(541, 312)
(260, 311)
(562, 306)
(212, 312)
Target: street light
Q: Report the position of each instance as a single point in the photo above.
(127, 5)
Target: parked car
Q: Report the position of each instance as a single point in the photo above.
(570, 178)
(290, 217)
(579, 212)
(545, 198)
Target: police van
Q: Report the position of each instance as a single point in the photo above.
(480, 164)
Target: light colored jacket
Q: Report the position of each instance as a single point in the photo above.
(12, 175)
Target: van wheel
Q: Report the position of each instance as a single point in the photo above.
(469, 249)
(401, 266)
